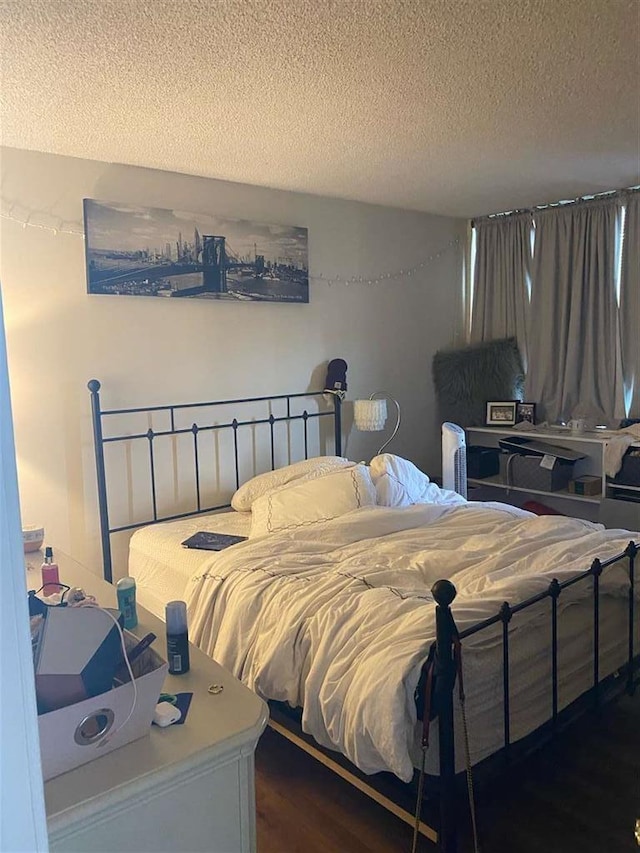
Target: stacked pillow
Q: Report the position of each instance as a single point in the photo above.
(327, 487)
(307, 469)
(307, 501)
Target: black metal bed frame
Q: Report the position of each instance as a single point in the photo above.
(444, 592)
(445, 664)
(98, 416)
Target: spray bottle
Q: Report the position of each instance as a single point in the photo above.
(50, 575)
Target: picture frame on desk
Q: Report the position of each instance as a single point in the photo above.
(526, 413)
(501, 413)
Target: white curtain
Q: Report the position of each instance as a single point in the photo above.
(573, 341)
(501, 280)
(630, 305)
(22, 814)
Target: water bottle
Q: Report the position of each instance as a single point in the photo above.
(126, 592)
(177, 637)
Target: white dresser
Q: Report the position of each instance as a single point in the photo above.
(184, 788)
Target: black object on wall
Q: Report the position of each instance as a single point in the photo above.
(336, 381)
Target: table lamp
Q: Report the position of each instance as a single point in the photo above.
(371, 415)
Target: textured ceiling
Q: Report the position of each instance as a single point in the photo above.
(458, 107)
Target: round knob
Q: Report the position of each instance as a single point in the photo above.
(444, 592)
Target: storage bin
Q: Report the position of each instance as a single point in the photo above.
(482, 461)
(527, 473)
(629, 473)
(73, 735)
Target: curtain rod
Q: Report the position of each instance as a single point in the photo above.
(623, 193)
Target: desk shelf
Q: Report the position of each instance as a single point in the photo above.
(591, 444)
(496, 483)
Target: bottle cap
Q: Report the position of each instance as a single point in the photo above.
(176, 617)
(126, 583)
(48, 552)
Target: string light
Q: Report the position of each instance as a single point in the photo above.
(62, 227)
(386, 276)
(58, 226)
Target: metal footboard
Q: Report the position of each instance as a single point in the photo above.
(445, 668)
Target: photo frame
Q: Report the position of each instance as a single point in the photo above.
(526, 413)
(501, 413)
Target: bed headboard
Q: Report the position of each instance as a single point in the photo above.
(237, 428)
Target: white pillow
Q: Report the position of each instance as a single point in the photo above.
(243, 499)
(306, 502)
(399, 482)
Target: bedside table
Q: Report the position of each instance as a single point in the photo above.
(189, 787)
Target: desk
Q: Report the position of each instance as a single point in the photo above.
(182, 788)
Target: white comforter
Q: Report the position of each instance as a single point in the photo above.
(338, 617)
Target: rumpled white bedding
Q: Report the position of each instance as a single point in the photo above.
(399, 482)
(337, 618)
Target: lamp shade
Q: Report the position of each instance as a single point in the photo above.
(370, 415)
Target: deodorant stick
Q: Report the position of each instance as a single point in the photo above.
(177, 637)
(126, 592)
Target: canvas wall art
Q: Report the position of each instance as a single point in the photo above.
(142, 251)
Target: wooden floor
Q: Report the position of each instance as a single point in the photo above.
(578, 796)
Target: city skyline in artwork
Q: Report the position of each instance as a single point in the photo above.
(139, 251)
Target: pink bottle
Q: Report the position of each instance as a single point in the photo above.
(50, 577)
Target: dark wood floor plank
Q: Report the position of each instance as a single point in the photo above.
(578, 795)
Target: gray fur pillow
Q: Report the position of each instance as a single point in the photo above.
(466, 378)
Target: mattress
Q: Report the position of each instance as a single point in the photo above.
(162, 566)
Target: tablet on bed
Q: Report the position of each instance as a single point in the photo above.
(212, 541)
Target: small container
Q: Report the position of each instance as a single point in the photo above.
(588, 484)
(50, 575)
(32, 537)
(126, 592)
(177, 637)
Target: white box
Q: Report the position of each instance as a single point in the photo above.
(79, 733)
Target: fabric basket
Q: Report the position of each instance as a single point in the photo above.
(527, 473)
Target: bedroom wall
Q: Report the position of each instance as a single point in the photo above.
(147, 351)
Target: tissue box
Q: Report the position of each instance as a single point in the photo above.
(71, 736)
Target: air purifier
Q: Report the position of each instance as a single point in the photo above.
(454, 459)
